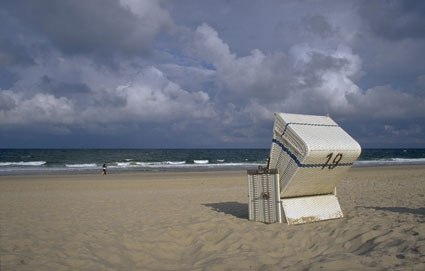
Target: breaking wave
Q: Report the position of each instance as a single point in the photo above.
(32, 163)
(90, 165)
(390, 162)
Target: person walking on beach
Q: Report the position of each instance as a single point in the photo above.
(104, 169)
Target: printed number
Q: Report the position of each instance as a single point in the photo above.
(327, 161)
(335, 161)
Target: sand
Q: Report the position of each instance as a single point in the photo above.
(198, 221)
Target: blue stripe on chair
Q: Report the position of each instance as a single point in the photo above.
(293, 157)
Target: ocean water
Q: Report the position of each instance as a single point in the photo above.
(69, 161)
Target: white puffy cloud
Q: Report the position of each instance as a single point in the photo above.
(385, 103)
(41, 108)
(137, 94)
(152, 97)
(305, 80)
(309, 78)
(254, 75)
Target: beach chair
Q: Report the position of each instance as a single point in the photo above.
(312, 155)
(264, 196)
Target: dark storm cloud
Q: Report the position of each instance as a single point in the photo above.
(7, 78)
(318, 25)
(79, 92)
(391, 42)
(81, 27)
(6, 103)
(317, 65)
(62, 88)
(395, 20)
(12, 53)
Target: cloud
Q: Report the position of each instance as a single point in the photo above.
(94, 26)
(133, 95)
(384, 103)
(152, 97)
(308, 78)
(7, 102)
(394, 20)
(190, 77)
(214, 75)
(318, 25)
(255, 75)
(12, 53)
(41, 108)
(305, 80)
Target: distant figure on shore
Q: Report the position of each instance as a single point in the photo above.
(104, 169)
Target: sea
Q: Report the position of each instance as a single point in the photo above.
(77, 161)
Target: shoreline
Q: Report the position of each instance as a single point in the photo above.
(184, 171)
(171, 171)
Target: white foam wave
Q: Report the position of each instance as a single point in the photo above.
(124, 164)
(32, 163)
(146, 164)
(201, 161)
(199, 165)
(161, 164)
(408, 160)
(165, 165)
(90, 165)
(390, 161)
(176, 162)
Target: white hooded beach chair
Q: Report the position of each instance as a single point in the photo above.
(312, 155)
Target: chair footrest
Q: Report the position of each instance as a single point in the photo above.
(312, 208)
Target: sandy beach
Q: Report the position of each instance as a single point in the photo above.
(199, 221)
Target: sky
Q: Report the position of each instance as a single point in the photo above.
(208, 74)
